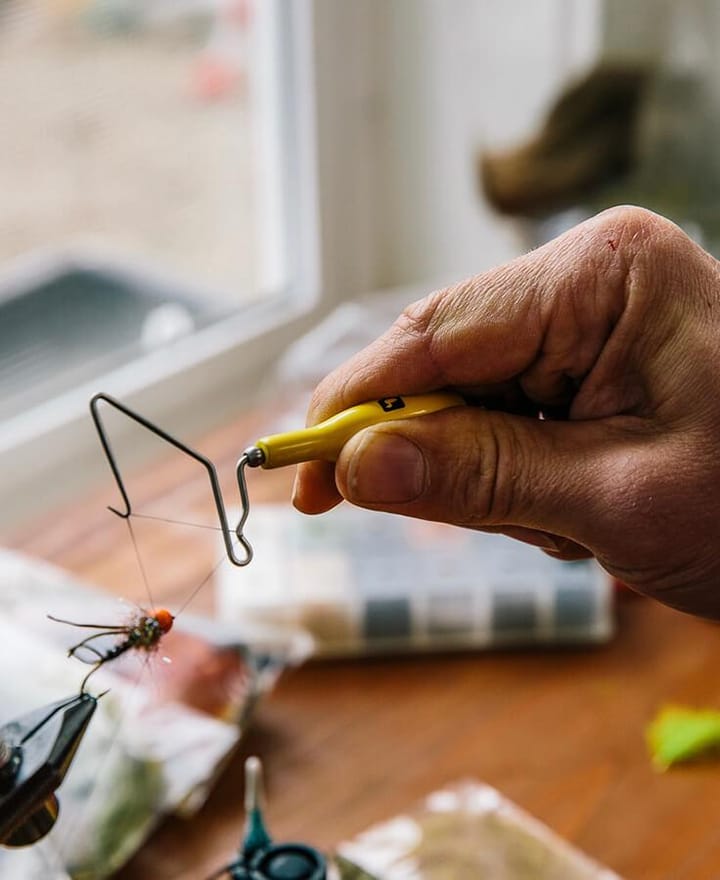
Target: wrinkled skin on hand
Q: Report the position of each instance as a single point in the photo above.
(611, 333)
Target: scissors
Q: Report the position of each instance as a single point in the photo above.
(318, 442)
(36, 751)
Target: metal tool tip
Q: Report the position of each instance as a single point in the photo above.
(253, 783)
(253, 456)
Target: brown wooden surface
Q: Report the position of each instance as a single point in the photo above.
(347, 744)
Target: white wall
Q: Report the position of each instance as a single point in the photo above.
(464, 75)
(408, 92)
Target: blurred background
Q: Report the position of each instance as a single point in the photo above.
(187, 186)
(205, 205)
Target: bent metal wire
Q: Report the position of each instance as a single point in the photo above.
(322, 442)
(230, 536)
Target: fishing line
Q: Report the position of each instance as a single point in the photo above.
(177, 522)
(141, 566)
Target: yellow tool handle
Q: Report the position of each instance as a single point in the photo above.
(325, 440)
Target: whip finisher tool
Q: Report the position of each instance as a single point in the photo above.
(321, 442)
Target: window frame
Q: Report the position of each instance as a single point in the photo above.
(47, 451)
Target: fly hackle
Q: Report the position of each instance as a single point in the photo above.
(142, 633)
(230, 537)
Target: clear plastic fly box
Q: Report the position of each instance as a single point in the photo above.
(362, 582)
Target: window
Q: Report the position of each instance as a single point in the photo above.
(152, 221)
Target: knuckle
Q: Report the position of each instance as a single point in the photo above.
(441, 310)
(485, 491)
(639, 229)
(644, 256)
(633, 218)
(420, 317)
(423, 323)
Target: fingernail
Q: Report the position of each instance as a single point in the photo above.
(386, 469)
(294, 495)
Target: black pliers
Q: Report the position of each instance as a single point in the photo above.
(36, 751)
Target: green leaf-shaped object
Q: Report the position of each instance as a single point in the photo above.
(680, 734)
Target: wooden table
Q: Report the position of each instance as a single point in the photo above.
(347, 744)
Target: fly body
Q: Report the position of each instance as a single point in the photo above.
(143, 633)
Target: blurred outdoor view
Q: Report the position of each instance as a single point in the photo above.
(128, 173)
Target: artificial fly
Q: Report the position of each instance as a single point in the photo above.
(145, 631)
(143, 634)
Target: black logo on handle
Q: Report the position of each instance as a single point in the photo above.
(390, 404)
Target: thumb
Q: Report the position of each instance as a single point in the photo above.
(477, 468)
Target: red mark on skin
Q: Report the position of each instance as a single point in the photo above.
(613, 244)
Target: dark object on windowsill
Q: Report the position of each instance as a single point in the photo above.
(66, 318)
(588, 141)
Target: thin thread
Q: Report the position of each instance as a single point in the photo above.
(140, 563)
(176, 522)
(202, 583)
(207, 577)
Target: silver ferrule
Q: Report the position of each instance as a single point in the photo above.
(254, 456)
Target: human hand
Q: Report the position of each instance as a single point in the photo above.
(614, 327)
